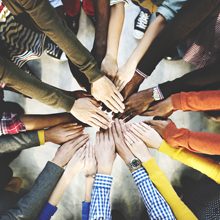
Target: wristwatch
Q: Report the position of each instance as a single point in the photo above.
(134, 164)
(157, 95)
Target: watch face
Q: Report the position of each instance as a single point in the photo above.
(135, 162)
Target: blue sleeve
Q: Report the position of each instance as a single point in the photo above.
(47, 212)
(85, 210)
(169, 8)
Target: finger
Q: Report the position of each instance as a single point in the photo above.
(73, 136)
(118, 100)
(121, 87)
(101, 121)
(119, 95)
(114, 103)
(110, 106)
(128, 138)
(92, 124)
(128, 144)
(135, 132)
(103, 114)
(123, 127)
(98, 123)
(148, 113)
(81, 139)
(118, 128)
(133, 137)
(70, 131)
(145, 126)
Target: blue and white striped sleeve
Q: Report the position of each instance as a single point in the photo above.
(100, 203)
(157, 207)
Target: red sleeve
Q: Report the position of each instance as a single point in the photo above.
(200, 142)
(197, 101)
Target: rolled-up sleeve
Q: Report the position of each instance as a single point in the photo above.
(169, 8)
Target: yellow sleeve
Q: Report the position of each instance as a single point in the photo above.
(41, 137)
(205, 165)
(180, 210)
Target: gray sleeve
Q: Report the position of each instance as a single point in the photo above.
(17, 142)
(30, 205)
(169, 8)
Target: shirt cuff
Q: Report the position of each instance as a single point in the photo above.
(140, 175)
(176, 101)
(104, 181)
(85, 209)
(48, 211)
(41, 136)
(141, 73)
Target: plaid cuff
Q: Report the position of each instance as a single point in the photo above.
(10, 124)
(140, 175)
(104, 181)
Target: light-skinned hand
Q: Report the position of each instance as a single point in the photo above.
(90, 161)
(105, 151)
(163, 108)
(87, 111)
(147, 134)
(109, 66)
(137, 147)
(63, 133)
(118, 130)
(67, 150)
(105, 91)
(76, 163)
(124, 75)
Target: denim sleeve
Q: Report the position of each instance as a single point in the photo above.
(85, 210)
(169, 8)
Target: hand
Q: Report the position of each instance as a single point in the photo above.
(63, 133)
(104, 90)
(67, 150)
(132, 86)
(76, 163)
(109, 66)
(147, 134)
(105, 151)
(86, 110)
(159, 125)
(163, 108)
(124, 75)
(90, 161)
(118, 128)
(137, 147)
(137, 104)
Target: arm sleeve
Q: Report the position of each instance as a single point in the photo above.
(100, 202)
(48, 21)
(209, 79)
(200, 142)
(85, 210)
(157, 207)
(30, 205)
(197, 101)
(17, 142)
(205, 165)
(32, 87)
(176, 31)
(47, 212)
(180, 210)
(169, 8)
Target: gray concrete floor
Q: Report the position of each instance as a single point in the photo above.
(124, 194)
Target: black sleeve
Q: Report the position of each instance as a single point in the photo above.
(207, 78)
(192, 14)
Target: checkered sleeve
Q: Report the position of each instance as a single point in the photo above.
(100, 203)
(10, 124)
(157, 207)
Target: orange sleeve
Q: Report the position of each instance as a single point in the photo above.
(200, 142)
(197, 101)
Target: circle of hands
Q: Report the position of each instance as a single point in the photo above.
(116, 135)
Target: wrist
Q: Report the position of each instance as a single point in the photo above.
(145, 157)
(111, 56)
(105, 169)
(57, 162)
